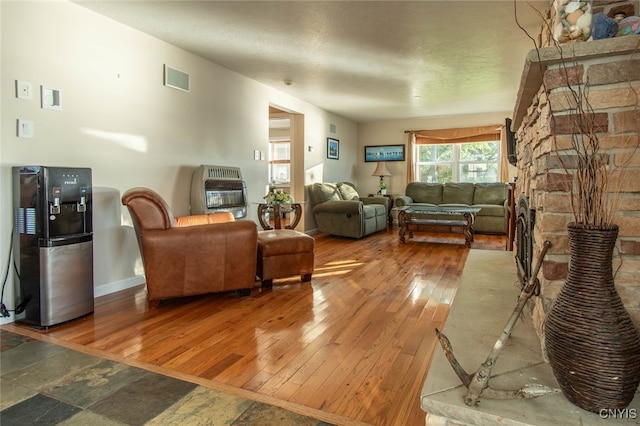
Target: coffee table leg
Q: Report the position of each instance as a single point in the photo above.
(403, 224)
(468, 229)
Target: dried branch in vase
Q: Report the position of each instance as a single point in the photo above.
(596, 174)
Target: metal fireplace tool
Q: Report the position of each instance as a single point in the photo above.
(477, 384)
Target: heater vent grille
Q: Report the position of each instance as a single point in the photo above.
(218, 188)
(222, 172)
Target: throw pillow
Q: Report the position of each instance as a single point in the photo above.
(347, 191)
(321, 192)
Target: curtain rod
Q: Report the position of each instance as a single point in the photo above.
(414, 131)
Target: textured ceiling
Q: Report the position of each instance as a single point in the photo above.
(364, 60)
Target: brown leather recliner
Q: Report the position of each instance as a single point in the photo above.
(191, 255)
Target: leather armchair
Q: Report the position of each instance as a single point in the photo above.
(191, 255)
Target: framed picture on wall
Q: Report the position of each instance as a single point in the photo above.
(384, 153)
(333, 148)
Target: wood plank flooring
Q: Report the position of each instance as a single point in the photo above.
(351, 347)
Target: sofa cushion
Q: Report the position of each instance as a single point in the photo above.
(347, 191)
(490, 210)
(369, 212)
(490, 193)
(322, 192)
(422, 192)
(458, 193)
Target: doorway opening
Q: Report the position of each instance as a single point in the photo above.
(286, 153)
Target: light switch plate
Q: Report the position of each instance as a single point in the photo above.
(256, 154)
(25, 128)
(24, 90)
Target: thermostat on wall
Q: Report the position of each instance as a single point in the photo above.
(50, 98)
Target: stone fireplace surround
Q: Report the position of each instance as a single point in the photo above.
(611, 68)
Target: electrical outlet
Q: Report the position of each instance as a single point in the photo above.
(256, 154)
(24, 90)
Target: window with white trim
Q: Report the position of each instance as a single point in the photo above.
(280, 161)
(458, 162)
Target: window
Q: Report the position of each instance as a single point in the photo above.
(459, 162)
(280, 162)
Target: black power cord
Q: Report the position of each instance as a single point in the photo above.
(3, 309)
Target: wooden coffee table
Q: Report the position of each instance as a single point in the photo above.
(439, 217)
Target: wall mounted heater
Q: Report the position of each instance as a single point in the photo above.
(218, 188)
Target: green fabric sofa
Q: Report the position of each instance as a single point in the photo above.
(339, 210)
(492, 198)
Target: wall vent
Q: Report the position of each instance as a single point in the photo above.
(223, 172)
(175, 78)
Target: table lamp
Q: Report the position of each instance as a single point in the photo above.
(382, 171)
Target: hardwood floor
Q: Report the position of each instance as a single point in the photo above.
(351, 347)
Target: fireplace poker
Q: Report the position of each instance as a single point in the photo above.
(477, 384)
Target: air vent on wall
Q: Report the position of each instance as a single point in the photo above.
(176, 78)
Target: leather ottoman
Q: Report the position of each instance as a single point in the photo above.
(283, 253)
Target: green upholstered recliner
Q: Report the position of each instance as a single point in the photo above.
(339, 210)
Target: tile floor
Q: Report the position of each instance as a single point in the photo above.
(42, 383)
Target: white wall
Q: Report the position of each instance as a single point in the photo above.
(118, 119)
(392, 133)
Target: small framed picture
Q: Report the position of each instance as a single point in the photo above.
(333, 148)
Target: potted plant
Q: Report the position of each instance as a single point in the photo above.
(383, 188)
(278, 196)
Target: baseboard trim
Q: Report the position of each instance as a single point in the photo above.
(115, 286)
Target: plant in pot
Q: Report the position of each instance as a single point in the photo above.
(591, 342)
(278, 196)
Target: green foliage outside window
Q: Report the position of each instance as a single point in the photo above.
(466, 162)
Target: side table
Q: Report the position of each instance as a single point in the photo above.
(279, 211)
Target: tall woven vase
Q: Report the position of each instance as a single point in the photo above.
(592, 344)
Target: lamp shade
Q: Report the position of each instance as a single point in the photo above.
(381, 169)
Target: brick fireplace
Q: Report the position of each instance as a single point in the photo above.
(610, 69)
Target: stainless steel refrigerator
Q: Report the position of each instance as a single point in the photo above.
(53, 244)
